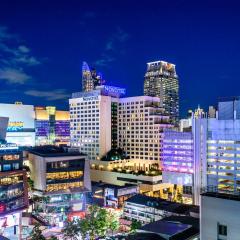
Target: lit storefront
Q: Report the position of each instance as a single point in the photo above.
(13, 186)
(62, 181)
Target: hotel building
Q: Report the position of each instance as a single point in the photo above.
(161, 81)
(140, 126)
(93, 117)
(61, 180)
(52, 126)
(143, 173)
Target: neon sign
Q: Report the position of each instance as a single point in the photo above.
(113, 91)
(15, 126)
(8, 146)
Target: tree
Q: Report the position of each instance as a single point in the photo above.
(83, 227)
(36, 233)
(71, 231)
(53, 238)
(135, 225)
(97, 221)
(30, 183)
(113, 221)
(179, 197)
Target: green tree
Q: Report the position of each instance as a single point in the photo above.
(113, 221)
(97, 221)
(30, 183)
(36, 233)
(135, 225)
(83, 227)
(71, 230)
(179, 197)
(53, 238)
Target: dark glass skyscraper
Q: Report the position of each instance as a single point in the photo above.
(90, 78)
(161, 81)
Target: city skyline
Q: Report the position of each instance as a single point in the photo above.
(41, 59)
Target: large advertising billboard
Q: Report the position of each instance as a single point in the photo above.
(21, 127)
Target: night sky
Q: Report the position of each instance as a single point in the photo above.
(43, 44)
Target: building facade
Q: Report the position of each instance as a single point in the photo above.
(148, 209)
(229, 108)
(61, 181)
(143, 173)
(93, 117)
(178, 161)
(219, 216)
(161, 81)
(21, 124)
(140, 126)
(52, 126)
(13, 186)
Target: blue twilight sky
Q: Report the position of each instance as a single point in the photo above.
(43, 44)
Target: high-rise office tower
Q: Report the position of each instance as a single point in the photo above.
(161, 81)
(90, 78)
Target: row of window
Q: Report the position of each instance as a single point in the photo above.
(9, 167)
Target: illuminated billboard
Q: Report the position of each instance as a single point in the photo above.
(21, 126)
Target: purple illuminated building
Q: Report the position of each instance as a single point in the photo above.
(178, 151)
(178, 161)
(52, 126)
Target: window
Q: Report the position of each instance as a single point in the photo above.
(6, 167)
(222, 230)
(15, 166)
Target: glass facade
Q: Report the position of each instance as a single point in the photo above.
(52, 127)
(178, 152)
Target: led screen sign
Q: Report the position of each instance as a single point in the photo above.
(15, 126)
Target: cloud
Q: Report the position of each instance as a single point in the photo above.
(104, 61)
(28, 60)
(13, 76)
(23, 49)
(57, 94)
(15, 55)
(114, 46)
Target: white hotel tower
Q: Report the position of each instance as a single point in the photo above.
(101, 120)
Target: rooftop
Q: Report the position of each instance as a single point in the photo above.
(212, 191)
(174, 227)
(107, 185)
(161, 204)
(53, 151)
(165, 228)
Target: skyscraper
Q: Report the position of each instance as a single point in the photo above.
(161, 81)
(90, 78)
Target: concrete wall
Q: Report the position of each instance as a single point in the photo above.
(216, 211)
